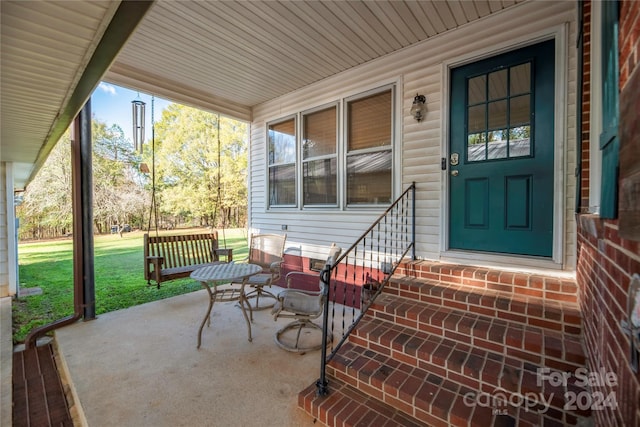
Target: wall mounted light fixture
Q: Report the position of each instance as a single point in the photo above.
(419, 109)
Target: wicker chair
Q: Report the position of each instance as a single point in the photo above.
(265, 250)
(303, 306)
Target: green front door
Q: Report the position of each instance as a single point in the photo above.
(500, 164)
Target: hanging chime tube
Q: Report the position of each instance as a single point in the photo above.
(138, 113)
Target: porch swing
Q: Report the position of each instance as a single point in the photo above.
(177, 256)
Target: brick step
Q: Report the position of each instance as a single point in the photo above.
(438, 403)
(550, 288)
(477, 368)
(530, 343)
(457, 386)
(346, 406)
(521, 307)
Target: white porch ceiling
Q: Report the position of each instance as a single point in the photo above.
(223, 56)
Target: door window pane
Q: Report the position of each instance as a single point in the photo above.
(520, 79)
(498, 84)
(499, 114)
(497, 144)
(477, 89)
(476, 118)
(476, 147)
(520, 110)
(519, 141)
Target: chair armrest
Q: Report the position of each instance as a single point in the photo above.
(228, 252)
(283, 294)
(296, 303)
(275, 266)
(155, 260)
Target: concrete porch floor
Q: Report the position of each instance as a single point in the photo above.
(140, 367)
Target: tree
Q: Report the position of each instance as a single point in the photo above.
(45, 210)
(191, 166)
(197, 180)
(119, 195)
(118, 188)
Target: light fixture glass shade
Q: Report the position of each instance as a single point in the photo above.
(418, 109)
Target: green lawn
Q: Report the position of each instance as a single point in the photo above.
(119, 277)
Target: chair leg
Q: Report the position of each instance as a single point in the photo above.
(260, 292)
(299, 325)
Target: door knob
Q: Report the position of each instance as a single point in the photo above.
(454, 172)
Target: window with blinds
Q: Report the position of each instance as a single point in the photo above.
(282, 163)
(319, 157)
(343, 155)
(369, 149)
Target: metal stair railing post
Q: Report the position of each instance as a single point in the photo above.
(322, 383)
(395, 234)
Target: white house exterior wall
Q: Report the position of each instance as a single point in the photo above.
(422, 69)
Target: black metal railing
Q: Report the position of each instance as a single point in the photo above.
(358, 276)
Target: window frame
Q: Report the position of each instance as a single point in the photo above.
(295, 163)
(391, 147)
(336, 155)
(341, 152)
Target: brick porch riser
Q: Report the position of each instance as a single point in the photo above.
(549, 288)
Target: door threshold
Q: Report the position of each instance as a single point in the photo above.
(520, 263)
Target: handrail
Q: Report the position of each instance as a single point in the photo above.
(369, 263)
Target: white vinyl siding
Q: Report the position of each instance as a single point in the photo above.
(420, 145)
(4, 238)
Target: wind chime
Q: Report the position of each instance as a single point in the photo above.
(138, 112)
(138, 115)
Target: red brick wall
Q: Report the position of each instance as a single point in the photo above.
(629, 39)
(606, 263)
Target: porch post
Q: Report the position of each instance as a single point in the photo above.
(82, 173)
(81, 193)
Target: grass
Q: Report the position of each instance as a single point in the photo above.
(119, 277)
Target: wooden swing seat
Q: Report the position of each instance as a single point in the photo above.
(174, 257)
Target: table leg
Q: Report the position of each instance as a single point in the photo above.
(243, 301)
(207, 317)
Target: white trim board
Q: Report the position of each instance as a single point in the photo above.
(558, 33)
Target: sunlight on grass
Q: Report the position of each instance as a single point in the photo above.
(119, 277)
